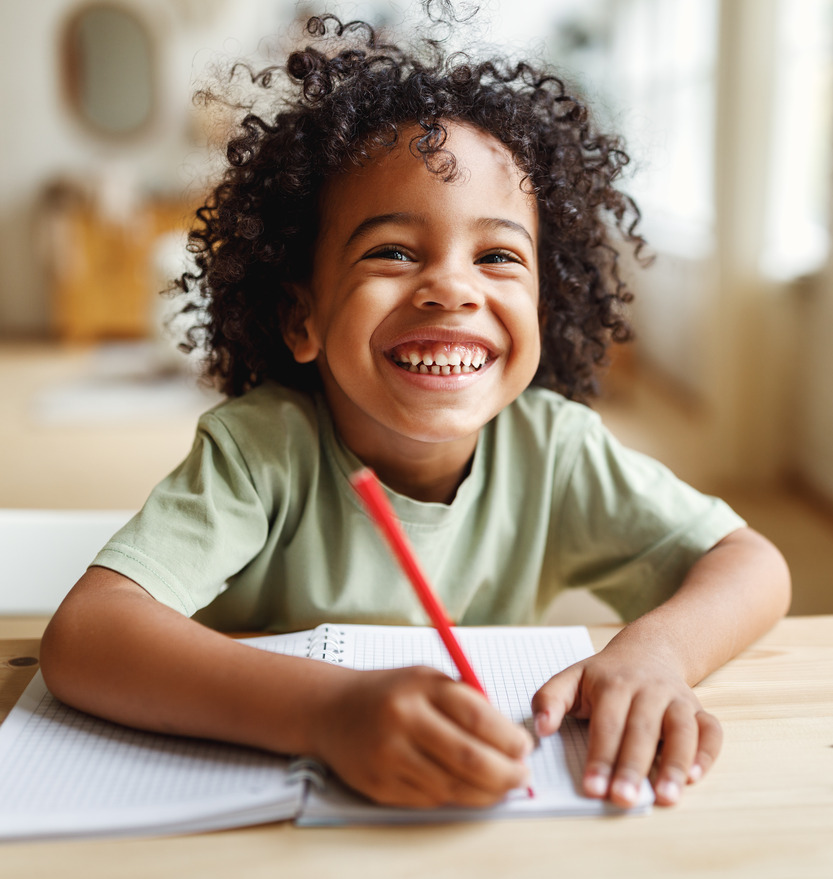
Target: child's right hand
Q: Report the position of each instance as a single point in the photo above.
(414, 737)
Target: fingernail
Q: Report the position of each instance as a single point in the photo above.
(669, 790)
(540, 722)
(624, 790)
(695, 773)
(595, 785)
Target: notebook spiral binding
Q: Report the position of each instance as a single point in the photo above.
(306, 769)
(327, 643)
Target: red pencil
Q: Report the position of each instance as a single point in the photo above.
(367, 487)
(375, 500)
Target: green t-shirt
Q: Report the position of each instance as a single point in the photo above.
(259, 529)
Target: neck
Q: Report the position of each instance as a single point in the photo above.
(437, 481)
(429, 472)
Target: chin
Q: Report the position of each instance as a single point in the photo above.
(440, 433)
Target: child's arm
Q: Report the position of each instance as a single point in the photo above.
(407, 737)
(637, 690)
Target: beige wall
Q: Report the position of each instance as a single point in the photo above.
(40, 140)
(812, 391)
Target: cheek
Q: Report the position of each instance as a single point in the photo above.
(528, 345)
(524, 321)
(347, 340)
(362, 314)
(532, 359)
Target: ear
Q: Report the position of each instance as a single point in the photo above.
(299, 331)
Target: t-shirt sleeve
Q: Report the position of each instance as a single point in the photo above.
(200, 525)
(628, 529)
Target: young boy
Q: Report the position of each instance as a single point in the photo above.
(389, 264)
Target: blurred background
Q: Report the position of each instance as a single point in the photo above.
(726, 107)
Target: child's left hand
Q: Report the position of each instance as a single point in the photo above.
(634, 702)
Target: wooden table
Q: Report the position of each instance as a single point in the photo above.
(765, 810)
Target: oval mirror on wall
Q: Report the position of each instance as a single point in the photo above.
(107, 69)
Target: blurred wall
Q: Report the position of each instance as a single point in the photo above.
(40, 140)
(811, 416)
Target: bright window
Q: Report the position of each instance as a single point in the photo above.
(661, 77)
(796, 234)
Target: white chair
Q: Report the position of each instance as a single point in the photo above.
(43, 553)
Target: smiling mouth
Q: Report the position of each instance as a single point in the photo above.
(427, 358)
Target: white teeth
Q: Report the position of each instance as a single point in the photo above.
(455, 362)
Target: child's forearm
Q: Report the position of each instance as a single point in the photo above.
(637, 691)
(114, 651)
(729, 598)
(409, 737)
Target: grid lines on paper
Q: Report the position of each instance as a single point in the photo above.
(512, 664)
(66, 760)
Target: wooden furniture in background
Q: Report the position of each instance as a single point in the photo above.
(102, 270)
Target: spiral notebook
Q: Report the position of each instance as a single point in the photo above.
(64, 773)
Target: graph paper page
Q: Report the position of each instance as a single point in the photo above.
(66, 773)
(511, 663)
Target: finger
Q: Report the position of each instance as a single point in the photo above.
(680, 734)
(469, 761)
(448, 787)
(604, 737)
(555, 700)
(471, 712)
(637, 751)
(423, 783)
(414, 780)
(710, 742)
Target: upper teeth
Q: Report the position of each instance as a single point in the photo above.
(450, 360)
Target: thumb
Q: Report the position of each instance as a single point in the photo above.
(555, 699)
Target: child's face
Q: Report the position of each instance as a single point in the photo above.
(424, 296)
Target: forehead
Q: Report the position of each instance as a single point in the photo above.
(487, 178)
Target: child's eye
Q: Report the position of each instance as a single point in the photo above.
(497, 257)
(394, 253)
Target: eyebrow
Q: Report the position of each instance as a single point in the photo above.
(402, 218)
(501, 223)
(371, 223)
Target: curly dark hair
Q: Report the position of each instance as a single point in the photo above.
(350, 94)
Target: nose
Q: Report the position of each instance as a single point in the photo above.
(449, 287)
